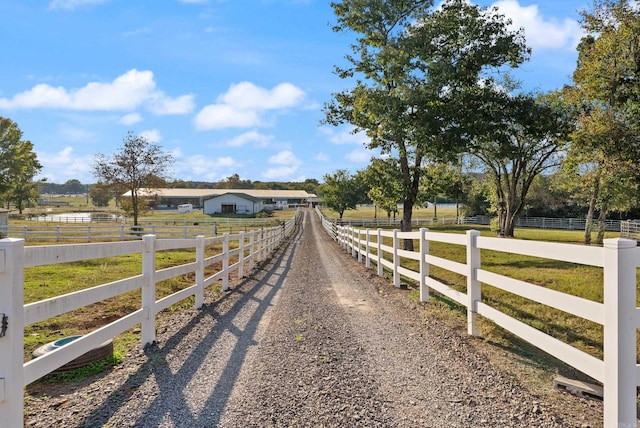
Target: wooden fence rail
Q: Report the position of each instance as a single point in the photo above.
(114, 232)
(619, 259)
(248, 248)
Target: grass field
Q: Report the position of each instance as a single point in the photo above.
(578, 280)
(43, 282)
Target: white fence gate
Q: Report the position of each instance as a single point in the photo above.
(15, 374)
(619, 258)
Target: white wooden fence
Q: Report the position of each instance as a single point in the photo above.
(630, 229)
(15, 374)
(619, 258)
(115, 232)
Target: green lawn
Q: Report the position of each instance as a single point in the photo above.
(578, 280)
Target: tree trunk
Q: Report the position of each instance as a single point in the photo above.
(509, 226)
(435, 209)
(134, 203)
(407, 213)
(602, 223)
(592, 208)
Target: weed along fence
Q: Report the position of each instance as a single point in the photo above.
(618, 315)
(233, 252)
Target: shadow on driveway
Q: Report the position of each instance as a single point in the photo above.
(172, 399)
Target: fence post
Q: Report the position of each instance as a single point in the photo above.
(88, 233)
(620, 264)
(122, 233)
(396, 259)
(424, 266)
(11, 331)
(251, 249)
(353, 241)
(474, 292)
(199, 295)
(148, 335)
(57, 233)
(367, 262)
(241, 256)
(225, 262)
(379, 249)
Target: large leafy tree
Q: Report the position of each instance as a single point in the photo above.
(341, 191)
(18, 165)
(384, 181)
(138, 165)
(415, 67)
(606, 144)
(528, 136)
(101, 194)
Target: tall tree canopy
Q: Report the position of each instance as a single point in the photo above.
(526, 141)
(416, 68)
(606, 142)
(341, 191)
(136, 166)
(18, 165)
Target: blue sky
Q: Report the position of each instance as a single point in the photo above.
(227, 87)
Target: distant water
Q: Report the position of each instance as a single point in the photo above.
(75, 217)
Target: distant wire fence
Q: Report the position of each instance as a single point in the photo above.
(530, 222)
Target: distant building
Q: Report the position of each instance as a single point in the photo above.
(226, 201)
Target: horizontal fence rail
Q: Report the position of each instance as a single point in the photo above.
(237, 252)
(115, 232)
(619, 259)
(630, 229)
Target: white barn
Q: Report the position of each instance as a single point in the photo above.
(251, 201)
(225, 201)
(233, 203)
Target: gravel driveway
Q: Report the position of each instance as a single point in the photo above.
(311, 339)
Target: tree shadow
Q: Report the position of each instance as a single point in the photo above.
(171, 402)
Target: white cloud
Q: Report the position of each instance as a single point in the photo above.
(130, 119)
(540, 32)
(287, 167)
(285, 173)
(218, 116)
(163, 105)
(71, 133)
(66, 165)
(258, 140)
(199, 167)
(285, 157)
(321, 157)
(344, 135)
(126, 92)
(151, 135)
(72, 4)
(359, 156)
(247, 96)
(244, 105)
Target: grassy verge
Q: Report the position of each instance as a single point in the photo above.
(42, 282)
(569, 278)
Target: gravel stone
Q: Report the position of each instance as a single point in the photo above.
(310, 339)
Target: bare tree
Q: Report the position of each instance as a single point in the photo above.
(136, 166)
